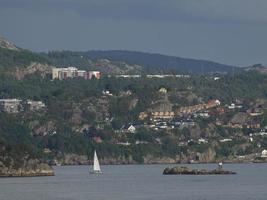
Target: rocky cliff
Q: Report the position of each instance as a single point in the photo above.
(4, 43)
(34, 67)
(29, 168)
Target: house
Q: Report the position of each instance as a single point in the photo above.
(188, 123)
(142, 116)
(253, 125)
(264, 153)
(123, 143)
(128, 129)
(125, 93)
(131, 129)
(261, 133)
(235, 125)
(10, 105)
(141, 142)
(255, 112)
(232, 106)
(162, 115)
(107, 92)
(203, 115)
(226, 140)
(198, 107)
(163, 90)
(35, 105)
(202, 141)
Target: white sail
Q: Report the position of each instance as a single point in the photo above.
(96, 164)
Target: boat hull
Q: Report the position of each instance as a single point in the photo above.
(96, 172)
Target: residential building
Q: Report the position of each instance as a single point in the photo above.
(142, 115)
(73, 72)
(35, 105)
(226, 140)
(162, 115)
(128, 129)
(124, 143)
(264, 153)
(202, 141)
(131, 129)
(163, 90)
(10, 105)
(197, 108)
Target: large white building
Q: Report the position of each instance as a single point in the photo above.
(72, 72)
(10, 105)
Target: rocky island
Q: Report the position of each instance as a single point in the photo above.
(29, 168)
(187, 171)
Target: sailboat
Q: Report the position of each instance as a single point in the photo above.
(96, 168)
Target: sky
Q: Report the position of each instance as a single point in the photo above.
(227, 31)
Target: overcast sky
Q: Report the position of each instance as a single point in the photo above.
(227, 31)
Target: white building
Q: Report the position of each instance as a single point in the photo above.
(35, 105)
(264, 153)
(10, 105)
(72, 72)
(226, 140)
(131, 129)
(202, 141)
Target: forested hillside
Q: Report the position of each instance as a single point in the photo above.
(128, 120)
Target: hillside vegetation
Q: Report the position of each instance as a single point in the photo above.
(80, 115)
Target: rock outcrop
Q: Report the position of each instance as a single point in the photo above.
(34, 67)
(187, 171)
(28, 169)
(4, 43)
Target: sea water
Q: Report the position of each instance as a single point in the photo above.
(134, 182)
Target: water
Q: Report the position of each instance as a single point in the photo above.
(144, 182)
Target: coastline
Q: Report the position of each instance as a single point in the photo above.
(31, 168)
(81, 160)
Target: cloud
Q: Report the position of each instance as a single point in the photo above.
(241, 11)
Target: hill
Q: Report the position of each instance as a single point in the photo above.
(157, 61)
(113, 61)
(173, 119)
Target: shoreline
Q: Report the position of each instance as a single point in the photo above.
(199, 163)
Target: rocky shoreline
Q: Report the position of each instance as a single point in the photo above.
(74, 159)
(187, 171)
(31, 168)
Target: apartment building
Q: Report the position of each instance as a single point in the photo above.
(72, 72)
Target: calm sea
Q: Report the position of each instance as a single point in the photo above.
(132, 182)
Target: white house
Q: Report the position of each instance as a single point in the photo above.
(226, 140)
(131, 129)
(264, 153)
(128, 129)
(232, 106)
(202, 141)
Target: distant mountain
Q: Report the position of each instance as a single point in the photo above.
(113, 61)
(257, 67)
(157, 61)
